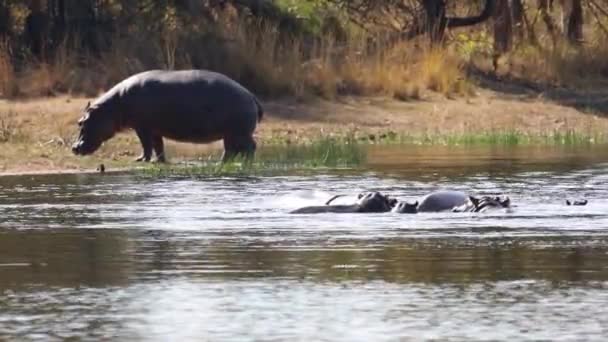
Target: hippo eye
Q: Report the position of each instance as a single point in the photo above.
(81, 121)
(84, 118)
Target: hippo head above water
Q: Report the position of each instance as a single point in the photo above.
(96, 126)
(375, 202)
(405, 208)
(367, 202)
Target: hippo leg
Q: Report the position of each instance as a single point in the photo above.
(246, 147)
(145, 137)
(229, 152)
(234, 146)
(159, 148)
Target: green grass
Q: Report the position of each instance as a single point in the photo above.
(499, 138)
(319, 154)
(280, 154)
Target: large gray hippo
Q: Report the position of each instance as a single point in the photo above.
(448, 200)
(370, 202)
(443, 200)
(195, 106)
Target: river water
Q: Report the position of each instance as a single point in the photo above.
(126, 257)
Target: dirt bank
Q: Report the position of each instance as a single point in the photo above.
(38, 132)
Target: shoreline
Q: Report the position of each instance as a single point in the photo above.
(38, 131)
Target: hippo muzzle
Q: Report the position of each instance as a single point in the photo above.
(81, 148)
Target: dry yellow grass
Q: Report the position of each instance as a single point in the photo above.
(257, 55)
(565, 65)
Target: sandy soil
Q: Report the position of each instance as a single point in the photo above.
(39, 131)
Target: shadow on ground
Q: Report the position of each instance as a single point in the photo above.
(590, 101)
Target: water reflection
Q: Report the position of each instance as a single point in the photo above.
(125, 257)
(68, 258)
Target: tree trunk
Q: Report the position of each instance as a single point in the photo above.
(57, 15)
(575, 23)
(517, 9)
(435, 19)
(36, 29)
(503, 31)
(543, 7)
(4, 19)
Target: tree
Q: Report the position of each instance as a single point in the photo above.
(575, 23)
(404, 16)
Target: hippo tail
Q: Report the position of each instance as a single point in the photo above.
(260, 109)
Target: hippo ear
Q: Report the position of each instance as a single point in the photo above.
(474, 200)
(416, 203)
(88, 106)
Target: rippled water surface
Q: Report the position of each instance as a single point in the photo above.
(121, 256)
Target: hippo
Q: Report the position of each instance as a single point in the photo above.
(448, 200)
(577, 202)
(484, 203)
(370, 202)
(437, 201)
(196, 106)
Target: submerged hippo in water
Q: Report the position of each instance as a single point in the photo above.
(577, 202)
(484, 203)
(370, 202)
(434, 202)
(455, 201)
(194, 106)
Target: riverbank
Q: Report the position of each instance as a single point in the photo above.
(36, 133)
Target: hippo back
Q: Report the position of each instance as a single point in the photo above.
(188, 105)
(442, 201)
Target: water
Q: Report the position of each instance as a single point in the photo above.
(93, 257)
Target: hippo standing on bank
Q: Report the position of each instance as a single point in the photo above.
(194, 106)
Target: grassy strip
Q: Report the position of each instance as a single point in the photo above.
(321, 154)
(508, 138)
(279, 155)
(491, 138)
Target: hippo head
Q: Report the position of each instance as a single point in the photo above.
(489, 202)
(375, 202)
(96, 126)
(406, 208)
(577, 202)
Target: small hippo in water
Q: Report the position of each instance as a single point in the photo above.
(577, 202)
(370, 202)
(194, 106)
